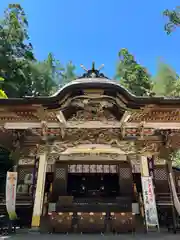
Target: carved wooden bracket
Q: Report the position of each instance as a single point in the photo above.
(171, 139)
(147, 147)
(141, 130)
(43, 148)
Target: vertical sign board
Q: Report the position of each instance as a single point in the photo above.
(149, 203)
(11, 184)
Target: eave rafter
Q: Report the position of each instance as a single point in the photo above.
(156, 114)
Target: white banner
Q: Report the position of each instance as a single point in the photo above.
(11, 184)
(149, 202)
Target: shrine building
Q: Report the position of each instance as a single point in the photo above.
(80, 154)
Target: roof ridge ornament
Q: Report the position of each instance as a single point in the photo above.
(93, 72)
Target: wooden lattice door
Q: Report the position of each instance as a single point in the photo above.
(161, 179)
(60, 180)
(125, 179)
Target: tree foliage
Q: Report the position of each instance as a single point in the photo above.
(69, 73)
(2, 93)
(23, 75)
(15, 54)
(173, 19)
(132, 75)
(42, 77)
(165, 82)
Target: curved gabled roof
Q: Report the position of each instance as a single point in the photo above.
(77, 86)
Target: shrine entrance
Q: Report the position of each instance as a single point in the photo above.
(93, 182)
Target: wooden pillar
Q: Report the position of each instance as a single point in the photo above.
(144, 166)
(39, 195)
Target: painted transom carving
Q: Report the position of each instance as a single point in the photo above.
(92, 168)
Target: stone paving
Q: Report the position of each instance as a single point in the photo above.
(149, 236)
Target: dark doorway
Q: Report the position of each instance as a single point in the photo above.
(6, 165)
(93, 185)
(48, 182)
(137, 181)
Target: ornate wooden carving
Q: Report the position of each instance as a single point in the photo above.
(149, 147)
(93, 136)
(174, 140)
(28, 151)
(156, 115)
(43, 148)
(93, 115)
(75, 137)
(138, 132)
(170, 139)
(91, 110)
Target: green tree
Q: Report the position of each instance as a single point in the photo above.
(173, 19)
(15, 52)
(68, 74)
(166, 81)
(42, 77)
(132, 75)
(22, 74)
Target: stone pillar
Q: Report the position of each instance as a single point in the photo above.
(39, 195)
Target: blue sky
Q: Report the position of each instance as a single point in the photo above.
(83, 31)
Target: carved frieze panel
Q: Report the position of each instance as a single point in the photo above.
(92, 136)
(92, 110)
(93, 115)
(75, 137)
(85, 102)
